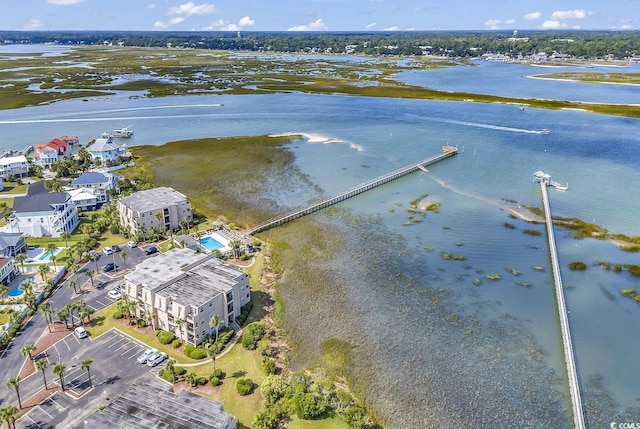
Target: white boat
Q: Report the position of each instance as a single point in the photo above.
(545, 131)
(123, 132)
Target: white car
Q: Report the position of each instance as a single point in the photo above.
(107, 251)
(145, 355)
(156, 358)
(132, 244)
(80, 332)
(114, 294)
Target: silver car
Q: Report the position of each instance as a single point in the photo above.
(156, 358)
(145, 355)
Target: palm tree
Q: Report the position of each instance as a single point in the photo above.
(8, 414)
(42, 365)
(235, 248)
(191, 378)
(63, 314)
(123, 255)
(90, 274)
(180, 323)
(212, 354)
(170, 366)
(51, 248)
(28, 286)
(214, 323)
(20, 258)
(59, 370)
(65, 236)
(74, 269)
(72, 284)
(46, 311)
(14, 382)
(27, 349)
(43, 270)
(94, 257)
(3, 291)
(86, 364)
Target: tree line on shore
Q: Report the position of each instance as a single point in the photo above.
(574, 43)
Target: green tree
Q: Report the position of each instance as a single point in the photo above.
(46, 311)
(21, 258)
(191, 378)
(123, 255)
(4, 290)
(65, 236)
(59, 370)
(43, 270)
(214, 323)
(90, 274)
(27, 349)
(8, 414)
(171, 367)
(86, 365)
(212, 354)
(72, 285)
(42, 365)
(14, 383)
(51, 248)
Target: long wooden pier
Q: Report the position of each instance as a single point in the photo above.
(447, 151)
(569, 356)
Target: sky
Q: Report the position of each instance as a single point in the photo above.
(319, 15)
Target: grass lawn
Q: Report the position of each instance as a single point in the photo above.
(4, 318)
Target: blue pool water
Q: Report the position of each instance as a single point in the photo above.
(17, 291)
(47, 255)
(211, 244)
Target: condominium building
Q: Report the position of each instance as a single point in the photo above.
(162, 208)
(180, 290)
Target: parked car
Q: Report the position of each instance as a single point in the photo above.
(107, 251)
(80, 332)
(114, 294)
(145, 355)
(151, 250)
(132, 244)
(156, 359)
(115, 248)
(109, 267)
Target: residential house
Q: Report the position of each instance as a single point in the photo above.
(12, 243)
(99, 183)
(180, 290)
(105, 149)
(15, 166)
(150, 403)
(84, 199)
(41, 213)
(162, 208)
(46, 154)
(8, 271)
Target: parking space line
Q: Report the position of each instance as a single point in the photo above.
(42, 409)
(115, 343)
(55, 402)
(34, 422)
(134, 348)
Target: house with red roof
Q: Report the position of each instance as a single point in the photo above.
(58, 149)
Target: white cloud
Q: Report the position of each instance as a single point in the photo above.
(532, 15)
(393, 28)
(159, 25)
(510, 21)
(492, 24)
(372, 25)
(64, 2)
(190, 8)
(552, 25)
(33, 24)
(151, 6)
(570, 14)
(246, 22)
(317, 25)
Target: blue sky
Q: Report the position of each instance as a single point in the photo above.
(319, 15)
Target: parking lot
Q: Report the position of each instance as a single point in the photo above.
(114, 367)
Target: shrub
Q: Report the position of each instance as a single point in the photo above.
(198, 353)
(307, 405)
(269, 366)
(187, 349)
(165, 337)
(248, 341)
(166, 375)
(178, 370)
(244, 386)
(215, 381)
(218, 373)
(201, 381)
(142, 323)
(176, 343)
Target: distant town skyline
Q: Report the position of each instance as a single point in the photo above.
(318, 15)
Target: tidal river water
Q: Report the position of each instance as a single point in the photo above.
(444, 346)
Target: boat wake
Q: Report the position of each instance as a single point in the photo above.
(318, 138)
(489, 126)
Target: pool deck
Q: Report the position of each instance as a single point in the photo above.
(219, 238)
(34, 255)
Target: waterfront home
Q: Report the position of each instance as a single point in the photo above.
(180, 290)
(41, 213)
(15, 166)
(99, 183)
(12, 243)
(162, 208)
(105, 149)
(8, 271)
(46, 154)
(84, 199)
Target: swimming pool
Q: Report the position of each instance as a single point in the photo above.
(17, 291)
(47, 255)
(211, 243)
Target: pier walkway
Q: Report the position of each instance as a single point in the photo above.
(448, 151)
(569, 357)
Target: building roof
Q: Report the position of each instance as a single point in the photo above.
(13, 159)
(4, 261)
(153, 199)
(155, 271)
(38, 200)
(150, 403)
(103, 145)
(90, 178)
(81, 194)
(10, 239)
